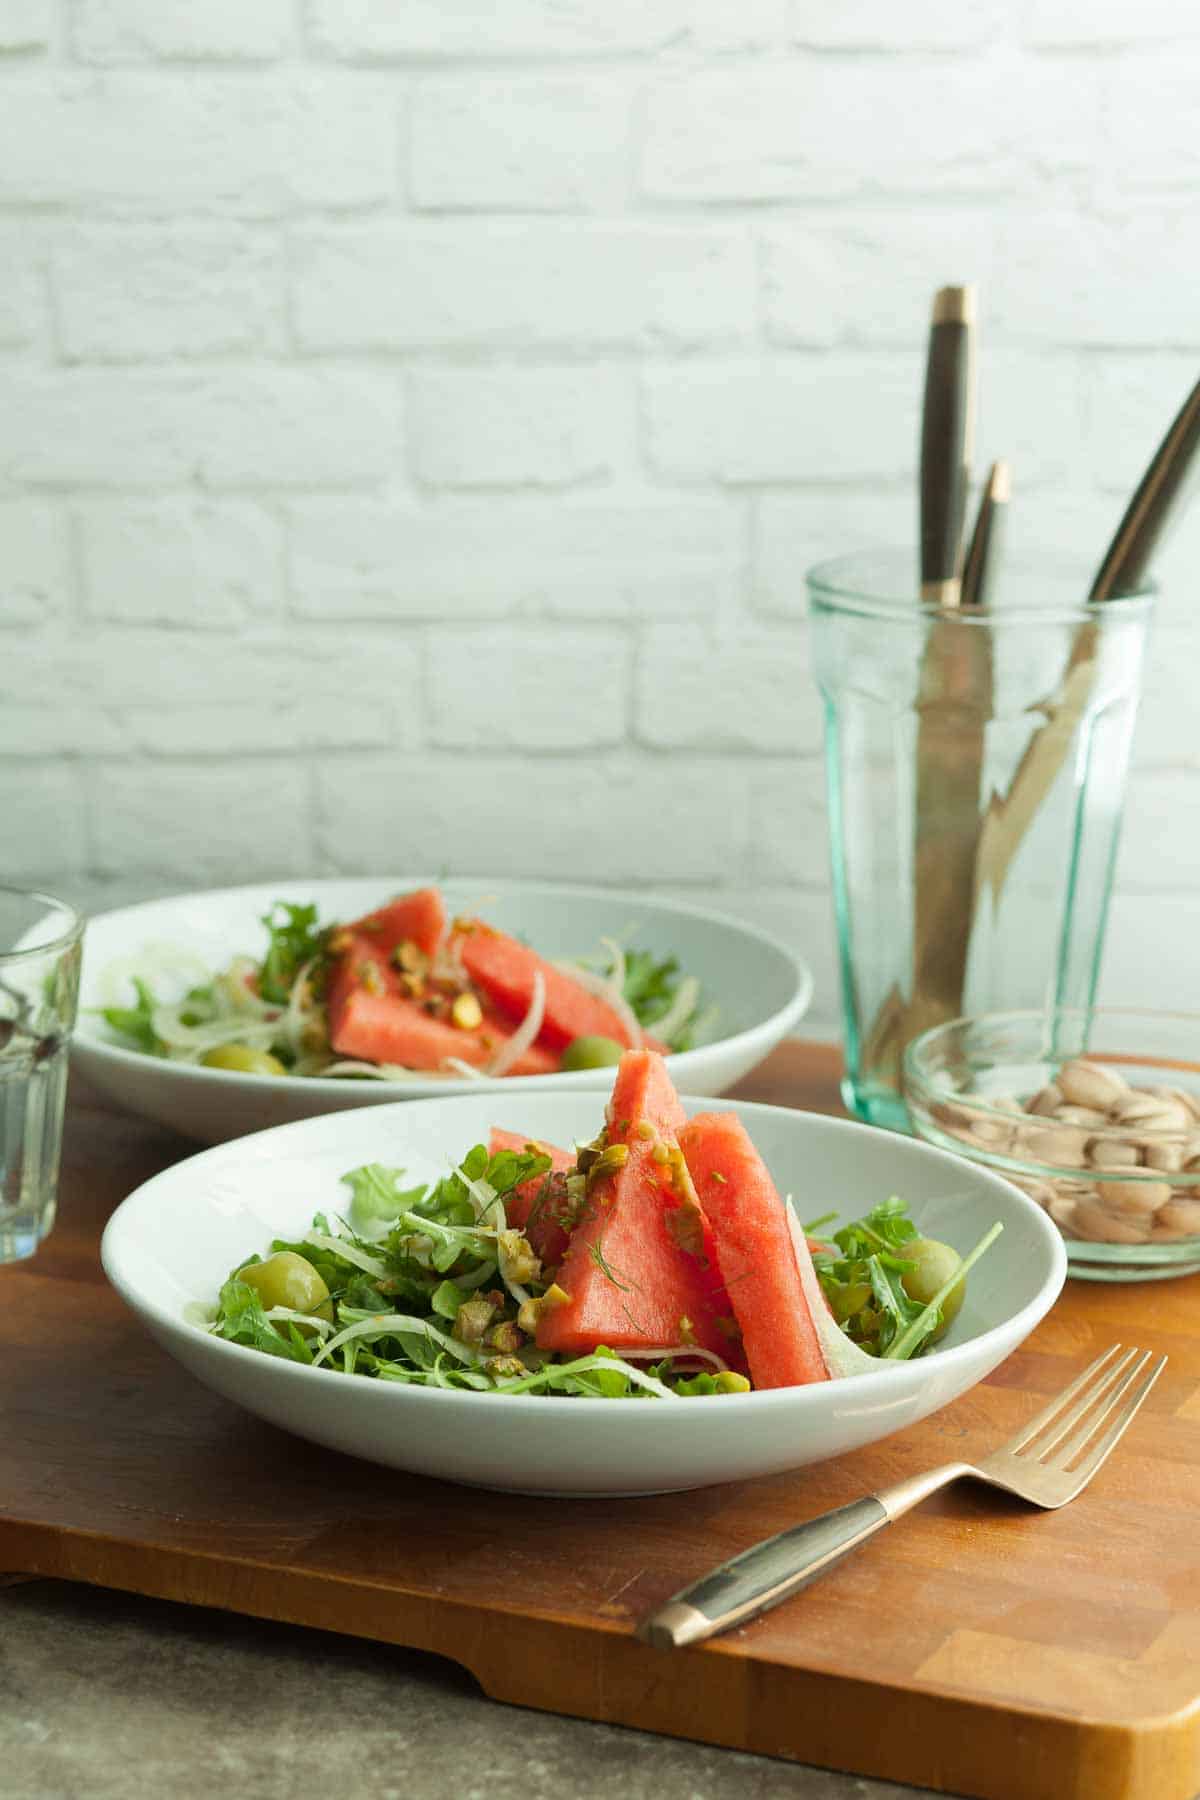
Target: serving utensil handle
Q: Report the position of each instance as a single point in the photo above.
(762, 1576)
(982, 554)
(1155, 506)
(947, 431)
(758, 1579)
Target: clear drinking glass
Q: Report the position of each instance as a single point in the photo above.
(40, 943)
(975, 767)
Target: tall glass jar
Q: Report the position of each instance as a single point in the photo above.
(975, 766)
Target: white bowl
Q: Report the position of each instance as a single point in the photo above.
(760, 989)
(172, 1243)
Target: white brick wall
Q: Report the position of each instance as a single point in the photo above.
(416, 420)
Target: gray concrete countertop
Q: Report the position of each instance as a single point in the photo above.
(107, 1696)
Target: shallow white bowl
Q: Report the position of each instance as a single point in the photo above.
(760, 988)
(173, 1241)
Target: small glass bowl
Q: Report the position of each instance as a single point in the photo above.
(1125, 1193)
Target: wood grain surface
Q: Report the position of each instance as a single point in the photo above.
(977, 1647)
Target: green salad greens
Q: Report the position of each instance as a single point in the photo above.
(267, 1015)
(893, 1292)
(430, 1285)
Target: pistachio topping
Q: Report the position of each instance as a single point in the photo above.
(728, 1381)
(370, 978)
(504, 1337)
(466, 1013)
(473, 1320)
(531, 1310)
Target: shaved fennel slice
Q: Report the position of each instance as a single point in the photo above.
(525, 1033)
(454, 1065)
(324, 1326)
(159, 964)
(586, 1365)
(677, 1353)
(842, 1357)
(604, 989)
(347, 1251)
(184, 1040)
(298, 1012)
(491, 1207)
(680, 1010)
(396, 1325)
(616, 973)
(376, 1071)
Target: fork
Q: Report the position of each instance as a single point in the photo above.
(1048, 1462)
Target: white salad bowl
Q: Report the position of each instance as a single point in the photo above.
(759, 988)
(171, 1244)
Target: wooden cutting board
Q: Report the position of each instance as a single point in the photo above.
(977, 1647)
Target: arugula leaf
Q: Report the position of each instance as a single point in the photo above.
(242, 1320)
(704, 1383)
(886, 1228)
(446, 1299)
(450, 1243)
(377, 1194)
(136, 1022)
(295, 939)
(450, 1201)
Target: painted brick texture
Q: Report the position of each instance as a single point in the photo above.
(416, 420)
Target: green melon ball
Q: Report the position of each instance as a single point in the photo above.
(935, 1264)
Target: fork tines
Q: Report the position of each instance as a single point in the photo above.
(1088, 1403)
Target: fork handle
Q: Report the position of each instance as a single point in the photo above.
(758, 1579)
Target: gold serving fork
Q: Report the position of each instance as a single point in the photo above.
(1048, 1462)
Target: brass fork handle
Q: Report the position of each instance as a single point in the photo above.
(758, 1579)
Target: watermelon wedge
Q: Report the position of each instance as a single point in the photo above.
(372, 1019)
(418, 918)
(503, 969)
(535, 1207)
(640, 1271)
(755, 1252)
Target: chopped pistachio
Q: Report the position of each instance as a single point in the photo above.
(730, 1382)
(614, 1157)
(644, 1128)
(504, 1337)
(661, 1153)
(588, 1154)
(408, 957)
(503, 1368)
(370, 978)
(474, 1318)
(467, 1013)
(517, 1257)
(531, 1310)
(687, 1331)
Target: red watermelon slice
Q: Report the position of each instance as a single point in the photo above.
(372, 1019)
(503, 969)
(418, 918)
(640, 1271)
(755, 1252)
(535, 1206)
